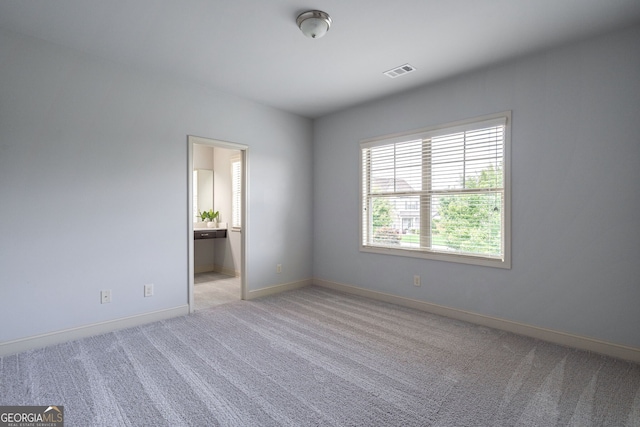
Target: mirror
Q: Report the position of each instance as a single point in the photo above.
(202, 191)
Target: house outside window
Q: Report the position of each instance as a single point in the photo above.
(439, 193)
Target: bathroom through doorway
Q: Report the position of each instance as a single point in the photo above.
(217, 228)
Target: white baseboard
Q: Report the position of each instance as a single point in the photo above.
(225, 270)
(557, 337)
(38, 341)
(204, 268)
(276, 289)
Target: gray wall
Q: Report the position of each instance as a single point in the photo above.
(93, 186)
(575, 196)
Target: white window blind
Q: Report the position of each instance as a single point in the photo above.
(236, 190)
(438, 193)
(195, 197)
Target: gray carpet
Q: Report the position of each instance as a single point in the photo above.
(212, 288)
(315, 357)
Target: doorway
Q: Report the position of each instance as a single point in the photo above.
(217, 177)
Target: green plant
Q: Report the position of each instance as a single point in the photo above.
(209, 216)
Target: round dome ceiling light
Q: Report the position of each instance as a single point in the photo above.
(314, 23)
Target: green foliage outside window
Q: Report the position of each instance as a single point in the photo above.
(382, 221)
(381, 214)
(472, 222)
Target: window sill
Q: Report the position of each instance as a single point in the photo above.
(439, 256)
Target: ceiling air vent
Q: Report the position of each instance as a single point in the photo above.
(400, 71)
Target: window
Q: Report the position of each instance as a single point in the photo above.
(411, 205)
(196, 218)
(439, 193)
(236, 192)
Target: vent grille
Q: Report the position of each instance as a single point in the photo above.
(400, 71)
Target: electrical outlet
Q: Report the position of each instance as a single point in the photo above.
(279, 268)
(105, 296)
(148, 290)
(416, 280)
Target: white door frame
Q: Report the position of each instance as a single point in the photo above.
(244, 197)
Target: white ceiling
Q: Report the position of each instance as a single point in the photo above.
(253, 48)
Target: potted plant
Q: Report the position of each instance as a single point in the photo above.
(210, 217)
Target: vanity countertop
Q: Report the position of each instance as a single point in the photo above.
(209, 228)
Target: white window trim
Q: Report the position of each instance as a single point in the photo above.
(505, 262)
(236, 159)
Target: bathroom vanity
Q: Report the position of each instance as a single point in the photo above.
(209, 233)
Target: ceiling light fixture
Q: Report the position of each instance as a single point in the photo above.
(314, 23)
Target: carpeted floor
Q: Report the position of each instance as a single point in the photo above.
(314, 357)
(212, 288)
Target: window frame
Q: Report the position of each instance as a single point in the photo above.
(236, 193)
(432, 131)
